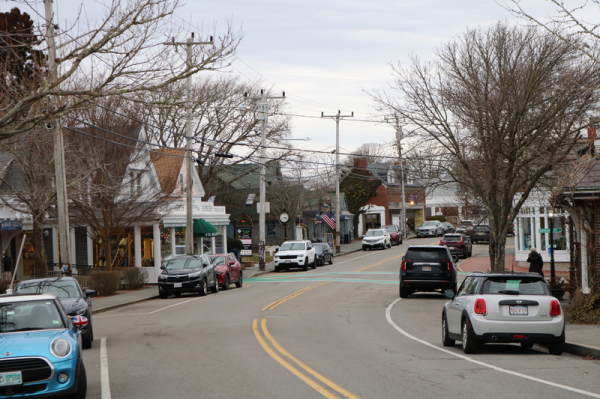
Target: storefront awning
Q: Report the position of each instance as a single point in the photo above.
(204, 229)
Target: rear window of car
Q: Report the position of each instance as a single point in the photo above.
(515, 286)
(482, 228)
(452, 238)
(427, 254)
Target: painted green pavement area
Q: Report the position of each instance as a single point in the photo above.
(329, 276)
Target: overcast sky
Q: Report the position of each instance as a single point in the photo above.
(324, 53)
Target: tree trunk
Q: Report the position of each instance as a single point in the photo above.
(40, 261)
(497, 251)
(107, 249)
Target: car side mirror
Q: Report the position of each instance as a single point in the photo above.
(231, 263)
(163, 267)
(79, 322)
(449, 294)
(90, 293)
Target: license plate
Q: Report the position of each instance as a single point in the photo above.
(518, 310)
(452, 247)
(426, 268)
(12, 378)
(177, 285)
(288, 261)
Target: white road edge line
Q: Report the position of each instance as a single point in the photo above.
(468, 359)
(104, 381)
(177, 304)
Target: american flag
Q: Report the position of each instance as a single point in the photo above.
(329, 218)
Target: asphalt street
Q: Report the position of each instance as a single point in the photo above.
(337, 331)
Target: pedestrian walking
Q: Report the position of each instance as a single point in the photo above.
(536, 263)
(7, 267)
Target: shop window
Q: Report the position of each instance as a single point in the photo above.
(526, 239)
(543, 235)
(271, 228)
(559, 239)
(147, 238)
(165, 243)
(372, 221)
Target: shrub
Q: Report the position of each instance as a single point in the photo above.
(233, 242)
(585, 309)
(104, 283)
(134, 277)
(84, 281)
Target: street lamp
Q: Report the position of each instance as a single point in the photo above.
(551, 219)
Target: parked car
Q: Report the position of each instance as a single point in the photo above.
(458, 244)
(395, 234)
(427, 268)
(503, 308)
(41, 348)
(74, 300)
(376, 238)
(323, 253)
(481, 233)
(511, 230)
(465, 227)
(430, 228)
(188, 273)
(229, 270)
(448, 228)
(295, 254)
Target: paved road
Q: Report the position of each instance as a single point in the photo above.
(338, 331)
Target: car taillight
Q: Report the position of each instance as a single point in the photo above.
(554, 308)
(403, 265)
(449, 266)
(480, 306)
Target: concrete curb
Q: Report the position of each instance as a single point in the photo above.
(582, 350)
(120, 305)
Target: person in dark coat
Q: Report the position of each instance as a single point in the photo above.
(536, 262)
(7, 267)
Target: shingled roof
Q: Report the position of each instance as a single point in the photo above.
(167, 163)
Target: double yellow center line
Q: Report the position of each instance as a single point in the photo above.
(279, 351)
(379, 263)
(278, 302)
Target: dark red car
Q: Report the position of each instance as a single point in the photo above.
(458, 244)
(395, 234)
(229, 270)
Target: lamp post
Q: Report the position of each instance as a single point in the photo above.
(551, 219)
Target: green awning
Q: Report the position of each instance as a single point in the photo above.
(204, 229)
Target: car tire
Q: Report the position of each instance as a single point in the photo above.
(225, 285)
(81, 384)
(305, 266)
(558, 347)
(277, 269)
(163, 295)
(331, 260)
(364, 248)
(403, 292)
(469, 346)
(240, 282)
(313, 265)
(527, 345)
(215, 288)
(87, 342)
(202, 288)
(446, 341)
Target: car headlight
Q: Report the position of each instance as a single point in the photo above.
(60, 347)
(197, 274)
(300, 256)
(77, 312)
(162, 277)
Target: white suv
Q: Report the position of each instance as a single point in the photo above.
(295, 254)
(376, 238)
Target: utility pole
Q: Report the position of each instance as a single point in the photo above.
(399, 137)
(59, 153)
(338, 216)
(263, 116)
(189, 221)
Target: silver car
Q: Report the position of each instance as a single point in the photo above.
(430, 228)
(503, 308)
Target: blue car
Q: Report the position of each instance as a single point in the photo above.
(40, 349)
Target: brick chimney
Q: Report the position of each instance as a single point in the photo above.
(360, 162)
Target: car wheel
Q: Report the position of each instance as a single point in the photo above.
(240, 281)
(331, 260)
(81, 384)
(527, 345)
(305, 266)
(313, 265)
(468, 344)
(558, 347)
(225, 286)
(364, 248)
(277, 268)
(446, 341)
(163, 295)
(215, 288)
(403, 292)
(202, 287)
(87, 341)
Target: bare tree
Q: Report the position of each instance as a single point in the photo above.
(506, 104)
(119, 54)
(373, 152)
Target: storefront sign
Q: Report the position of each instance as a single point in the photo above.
(244, 234)
(556, 230)
(11, 225)
(244, 221)
(246, 241)
(246, 252)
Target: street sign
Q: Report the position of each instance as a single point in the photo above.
(556, 230)
(246, 252)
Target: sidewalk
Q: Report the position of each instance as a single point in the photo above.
(123, 298)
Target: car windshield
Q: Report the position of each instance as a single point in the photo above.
(452, 238)
(374, 233)
(427, 224)
(482, 228)
(319, 248)
(179, 263)
(515, 286)
(62, 289)
(292, 246)
(219, 260)
(391, 229)
(427, 254)
(29, 315)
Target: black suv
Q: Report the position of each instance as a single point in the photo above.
(427, 268)
(481, 233)
(190, 273)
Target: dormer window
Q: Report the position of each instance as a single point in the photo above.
(391, 176)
